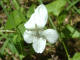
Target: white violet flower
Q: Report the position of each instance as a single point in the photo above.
(35, 34)
(39, 17)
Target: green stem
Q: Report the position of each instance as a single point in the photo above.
(40, 1)
(7, 31)
(19, 42)
(16, 4)
(74, 7)
(52, 22)
(65, 49)
(72, 4)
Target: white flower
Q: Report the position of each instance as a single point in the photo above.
(39, 17)
(39, 40)
(35, 33)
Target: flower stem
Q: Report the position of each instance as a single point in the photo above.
(52, 22)
(11, 31)
(65, 50)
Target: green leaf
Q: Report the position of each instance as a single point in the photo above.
(30, 11)
(61, 18)
(16, 5)
(2, 50)
(12, 48)
(76, 34)
(70, 28)
(40, 1)
(56, 7)
(22, 28)
(62, 35)
(15, 39)
(72, 4)
(14, 19)
(76, 56)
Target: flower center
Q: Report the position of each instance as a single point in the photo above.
(37, 31)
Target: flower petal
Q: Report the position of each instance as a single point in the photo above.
(39, 45)
(28, 37)
(51, 35)
(39, 18)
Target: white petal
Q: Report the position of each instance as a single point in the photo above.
(51, 35)
(28, 37)
(39, 45)
(39, 18)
